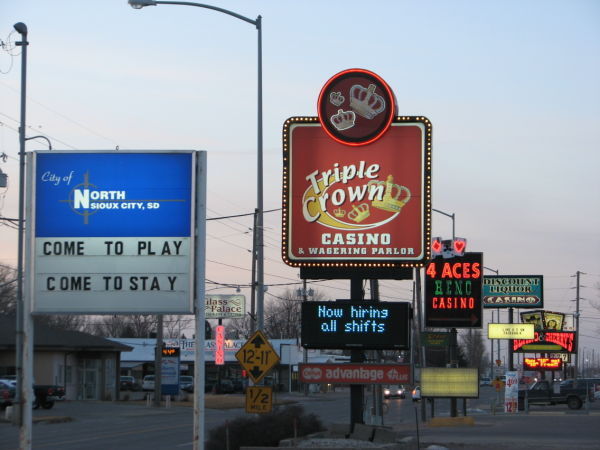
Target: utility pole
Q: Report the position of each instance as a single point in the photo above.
(158, 361)
(577, 324)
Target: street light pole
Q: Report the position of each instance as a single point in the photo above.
(447, 215)
(260, 291)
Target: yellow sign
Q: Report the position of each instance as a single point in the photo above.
(259, 399)
(257, 356)
(450, 382)
(511, 330)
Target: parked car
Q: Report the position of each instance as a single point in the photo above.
(185, 382)
(129, 383)
(416, 394)
(224, 387)
(148, 383)
(485, 381)
(7, 393)
(394, 391)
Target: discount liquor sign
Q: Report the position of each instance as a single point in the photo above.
(356, 180)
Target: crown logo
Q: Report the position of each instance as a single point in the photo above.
(394, 196)
(339, 212)
(359, 213)
(337, 98)
(365, 101)
(343, 119)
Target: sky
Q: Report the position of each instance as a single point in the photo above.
(511, 88)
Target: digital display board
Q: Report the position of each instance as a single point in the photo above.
(513, 291)
(543, 363)
(511, 331)
(453, 291)
(366, 325)
(450, 382)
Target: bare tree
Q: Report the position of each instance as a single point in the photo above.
(8, 290)
(129, 326)
(175, 325)
(473, 349)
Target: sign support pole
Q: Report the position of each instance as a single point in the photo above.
(199, 302)
(511, 365)
(453, 363)
(356, 356)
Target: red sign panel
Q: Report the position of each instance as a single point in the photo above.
(355, 373)
(360, 206)
(542, 363)
(549, 341)
(220, 345)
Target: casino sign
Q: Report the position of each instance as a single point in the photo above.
(546, 341)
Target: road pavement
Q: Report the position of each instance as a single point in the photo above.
(132, 426)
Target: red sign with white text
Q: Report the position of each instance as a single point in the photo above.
(355, 373)
(357, 206)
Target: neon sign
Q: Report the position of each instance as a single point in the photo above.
(543, 363)
(453, 291)
(220, 345)
(170, 351)
(547, 341)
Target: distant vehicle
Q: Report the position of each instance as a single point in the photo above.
(185, 381)
(46, 395)
(485, 381)
(224, 387)
(148, 383)
(394, 391)
(571, 392)
(416, 394)
(128, 383)
(7, 393)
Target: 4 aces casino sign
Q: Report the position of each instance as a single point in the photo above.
(453, 291)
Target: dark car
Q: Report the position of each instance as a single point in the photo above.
(129, 384)
(398, 391)
(7, 393)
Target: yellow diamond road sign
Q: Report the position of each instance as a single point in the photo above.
(257, 356)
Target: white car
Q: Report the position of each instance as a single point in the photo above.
(148, 383)
(394, 391)
(416, 394)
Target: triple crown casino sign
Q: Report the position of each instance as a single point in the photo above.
(453, 291)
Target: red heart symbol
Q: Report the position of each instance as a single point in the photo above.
(459, 246)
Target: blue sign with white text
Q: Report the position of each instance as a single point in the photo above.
(113, 194)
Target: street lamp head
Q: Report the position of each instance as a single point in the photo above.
(21, 28)
(139, 4)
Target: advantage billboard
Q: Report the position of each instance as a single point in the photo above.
(453, 291)
(349, 373)
(111, 231)
(366, 325)
(513, 291)
(450, 382)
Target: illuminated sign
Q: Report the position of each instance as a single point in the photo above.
(356, 107)
(435, 339)
(367, 325)
(547, 341)
(220, 345)
(511, 331)
(112, 232)
(542, 363)
(171, 351)
(348, 373)
(449, 382)
(553, 320)
(225, 306)
(453, 291)
(513, 291)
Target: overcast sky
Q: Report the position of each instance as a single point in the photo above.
(511, 88)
